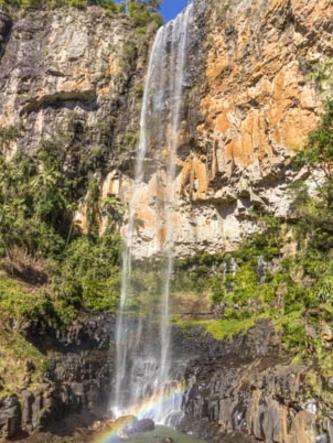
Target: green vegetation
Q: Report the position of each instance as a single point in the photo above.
(49, 271)
(322, 76)
(9, 135)
(18, 306)
(37, 4)
(141, 13)
(39, 195)
(220, 329)
(89, 273)
(15, 353)
(37, 199)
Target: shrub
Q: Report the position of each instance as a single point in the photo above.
(89, 273)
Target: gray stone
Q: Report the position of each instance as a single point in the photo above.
(10, 416)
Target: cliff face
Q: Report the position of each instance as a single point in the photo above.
(79, 367)
(72, 77)
(250, 105)
(259, 105)
(248, 386)
(76, 77)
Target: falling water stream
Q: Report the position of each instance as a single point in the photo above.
(143, 384)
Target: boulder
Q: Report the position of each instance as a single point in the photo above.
(144, 425)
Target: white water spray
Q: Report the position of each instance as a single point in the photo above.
(143, 359)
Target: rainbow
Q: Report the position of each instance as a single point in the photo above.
(143, 409)
(115, 429)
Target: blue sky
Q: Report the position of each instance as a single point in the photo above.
(170, 8)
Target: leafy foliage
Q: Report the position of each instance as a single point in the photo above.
(16, 302)
(37, 4)
(89, 273)
(38, 197)
(15, 352)
(34, 205)
(314, 212)
(322, 76)
(141, 13)
(319, 152)
(221, 329)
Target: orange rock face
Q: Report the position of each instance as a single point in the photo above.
(257, 105)
(259, 98)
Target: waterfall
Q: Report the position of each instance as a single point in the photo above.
(143, 383)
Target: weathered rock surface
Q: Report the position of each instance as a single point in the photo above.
(10, 416)
(138, 426)
(245, 390)
(78, 378)
(76, 77)
(250, 387)
(67, 73)
(73, 78)
(256, 107)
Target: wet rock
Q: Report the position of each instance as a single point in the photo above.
(5, 28)
(10, 417)
(322, 438)
(143, 425)
(261, 269)
(248, 387)
(165, 440)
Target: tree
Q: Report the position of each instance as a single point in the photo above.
(151, 5)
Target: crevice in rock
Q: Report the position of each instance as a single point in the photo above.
(87, 100)
(5, 30)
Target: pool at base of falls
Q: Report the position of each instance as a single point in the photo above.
(160, 434)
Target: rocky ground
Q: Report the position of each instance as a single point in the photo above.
(246, 389)
(251, 387)
(77, 380)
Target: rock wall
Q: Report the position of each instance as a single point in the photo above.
(76, 78)
(257, 107)
(243, 390)
(250, 387)
(250, 106)
(72, 78)
(77, 380)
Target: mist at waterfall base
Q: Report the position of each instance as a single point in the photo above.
(158, 434)
(144, 385)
